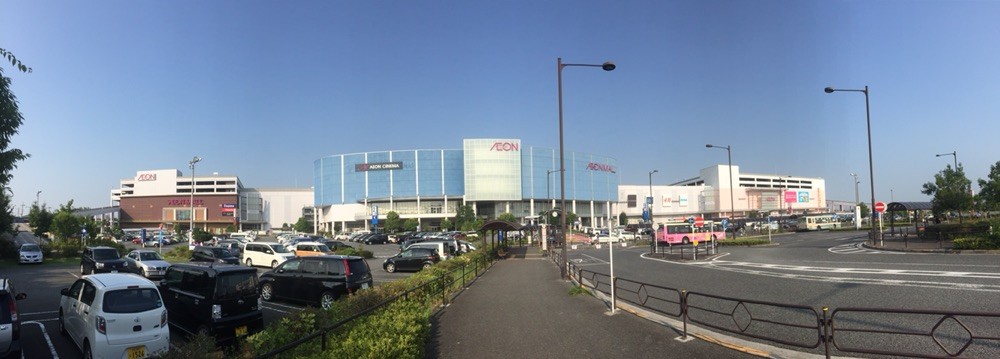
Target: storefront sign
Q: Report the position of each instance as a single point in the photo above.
(504, 146)
(229, 205)
(185, 202)
(600, 167)
(146, 177)
(381, 166)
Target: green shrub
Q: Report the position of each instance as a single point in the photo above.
(743, 242)
(397, 331)
(66, 248)
(990, 242)
(178, 253)
(364, 253)
(8, 250)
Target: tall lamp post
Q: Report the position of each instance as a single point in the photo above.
(193, 161)
(37, 196)
(871, 167)
(954, 155)
(651, 195)
(732, 203)
(857, 203)
(607, 66)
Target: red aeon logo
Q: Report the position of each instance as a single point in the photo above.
(505, 146)
(600, 167)
(146, 177)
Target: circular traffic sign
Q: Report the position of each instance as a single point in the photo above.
(698, 222)
(880, 207)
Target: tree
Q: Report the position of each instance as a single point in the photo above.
(40, 219)
(10, 120)
(392, 223)
(864, 210)
(507, 216)
(463, 216)
(64, 224)
(446, 224)
(302, 225)
(622, 219)
(989, 189)
(950, 190)
(410, 224)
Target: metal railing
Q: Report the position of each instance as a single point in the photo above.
(439, 290)
(878, 331)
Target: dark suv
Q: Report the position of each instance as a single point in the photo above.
(10, 325)
(101, 260)
(218, 300)
(213, 254)
(316, 280)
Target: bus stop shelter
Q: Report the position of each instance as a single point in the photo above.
(907, 207)
(494, 229)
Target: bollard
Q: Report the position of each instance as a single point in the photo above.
(684, 311)
(826, 333)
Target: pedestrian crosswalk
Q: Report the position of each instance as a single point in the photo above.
(856, 248)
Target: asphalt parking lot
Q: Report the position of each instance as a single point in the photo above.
(40, 336)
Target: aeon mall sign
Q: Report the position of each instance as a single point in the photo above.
(146, 177)
(600, 167)
(505, 146)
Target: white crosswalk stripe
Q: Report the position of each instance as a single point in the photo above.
(855, 248)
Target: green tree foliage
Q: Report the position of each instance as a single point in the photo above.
(466, 220)
(92, 226)
(302, 225)
(201, 236)
(10, 120)
(410, 225)
(507, 216)
(446, 225)
(950, 190)
(989, 192)
(64, 224)
(622, 219)
(40, 219)
(864, 210)
(392, 222)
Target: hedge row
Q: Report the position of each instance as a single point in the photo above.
(743, 242)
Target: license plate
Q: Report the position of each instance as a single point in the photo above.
(136, 352)
(364, 285)
(241, 331)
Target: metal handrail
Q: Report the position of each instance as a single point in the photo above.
(941, 316)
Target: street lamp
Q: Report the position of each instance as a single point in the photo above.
(732, 203)
(194, 160)
(857, 204)
(651, 207)
(37, 194)
(954, 155)
(607, 66)
(871, 167)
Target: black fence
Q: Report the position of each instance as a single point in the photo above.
(439, 290)
(891, 332)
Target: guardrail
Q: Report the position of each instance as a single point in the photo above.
(438, 290)
(879, 331)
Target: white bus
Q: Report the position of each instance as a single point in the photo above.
(816, 222)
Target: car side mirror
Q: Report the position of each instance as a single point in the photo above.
(20, 296)
(64, 291)
(269, 251)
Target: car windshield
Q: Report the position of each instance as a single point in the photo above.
(105, 254)
(236, 285)
(30, 248)
(150, 256)
(132, 300)
(277, 248)
(221, 253)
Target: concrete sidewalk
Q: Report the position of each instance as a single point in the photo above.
(522, 309)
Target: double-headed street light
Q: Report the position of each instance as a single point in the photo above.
(954, 155)
(871, 167)
(194, 160)
(607, 66)
(732, 203)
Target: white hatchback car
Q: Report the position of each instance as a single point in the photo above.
(114, 315)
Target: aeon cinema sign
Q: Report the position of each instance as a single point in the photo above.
(600, 167)
(505, 146)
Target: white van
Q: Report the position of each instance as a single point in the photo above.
(445, 250)
(268, 254)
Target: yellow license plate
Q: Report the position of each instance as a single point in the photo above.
(136, 352)
(241, 331)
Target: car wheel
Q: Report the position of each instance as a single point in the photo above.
(62, 324)
(143, 271)
(685, 240)
(326, 300)
(266, 292)
(428, 265)
(391, 268)
(87, 353)
(249, 262)
(82, 272)
(274, 264)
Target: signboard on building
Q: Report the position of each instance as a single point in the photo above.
(141, 177)
(492, 169)
(803, 197)
(378, 166)
(791, 197)
(770, 201)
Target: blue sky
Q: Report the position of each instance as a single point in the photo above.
(261, 89)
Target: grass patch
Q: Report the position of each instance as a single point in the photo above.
(578, 290)
(10, 263)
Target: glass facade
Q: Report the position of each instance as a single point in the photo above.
(379, 176)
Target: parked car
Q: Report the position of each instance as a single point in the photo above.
(336, 245)
(10, 323)
(114, 315)
(101, 260)
(316, 280)
(443, 248)
(411, 259)
(29, 253)
(218, 300)
(151, 242)
(265, 254)
(235, 247)
(362, 237)
(146, 263)
(378, 238)
(213, 254)
(305, 249)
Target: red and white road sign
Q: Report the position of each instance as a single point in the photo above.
(880, 207)
(698, 221)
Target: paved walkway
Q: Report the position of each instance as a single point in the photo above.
(522, 309)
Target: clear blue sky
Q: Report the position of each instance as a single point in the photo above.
(262, 89)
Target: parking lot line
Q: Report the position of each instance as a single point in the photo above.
(48, 340)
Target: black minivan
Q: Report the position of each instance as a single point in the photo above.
(220, 300)
(316, 279)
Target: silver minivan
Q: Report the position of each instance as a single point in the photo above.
(10, 325)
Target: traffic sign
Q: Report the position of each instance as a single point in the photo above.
(690, 220)
(880, 207)
(698, 222)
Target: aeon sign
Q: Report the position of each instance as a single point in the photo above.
(146, 177)
(600, 167)
(504, 146)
